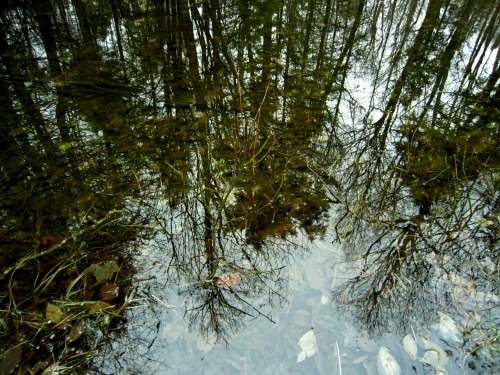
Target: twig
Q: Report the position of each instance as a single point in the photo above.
(338, 356)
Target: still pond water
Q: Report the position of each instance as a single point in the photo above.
(265, 187)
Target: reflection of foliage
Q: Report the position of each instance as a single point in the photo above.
(278, 197)
(218, 142)
(401, 268)
(435, 163)
(219, 311)
(393, 282)
(414, 266)
(219, 314)
(420, 202)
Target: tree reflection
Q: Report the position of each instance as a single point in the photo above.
(419, 215)
(254, 197)
(223, 129)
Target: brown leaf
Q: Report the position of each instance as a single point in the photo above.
(76, 331)
(54, 313)
(229, 279)
(109, 292)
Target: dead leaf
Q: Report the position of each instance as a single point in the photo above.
(104, 271)
(434, 355)
(308, 346)
(54, 313)
(76, 331)
(386, 363)
(229, 279)
(448, 328)
(109, 292)
(410, 346)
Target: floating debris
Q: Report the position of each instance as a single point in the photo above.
(308, 346)
(386, 363)
(229, 279)
(410, 346)
(434, 355)
(448, 328)
(98, 307)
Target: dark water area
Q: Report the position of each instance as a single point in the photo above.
(265, 187)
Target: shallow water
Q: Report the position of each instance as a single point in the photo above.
(340, 157)
(161, 341)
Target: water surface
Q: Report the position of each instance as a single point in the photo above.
(203, 186)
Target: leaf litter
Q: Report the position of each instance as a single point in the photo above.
(228, 279)
(448, 328)
(386, 363)
(104, 271)
(410, 346)
(308, 346)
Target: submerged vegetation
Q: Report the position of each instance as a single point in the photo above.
(203, 145)
(59, 292)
